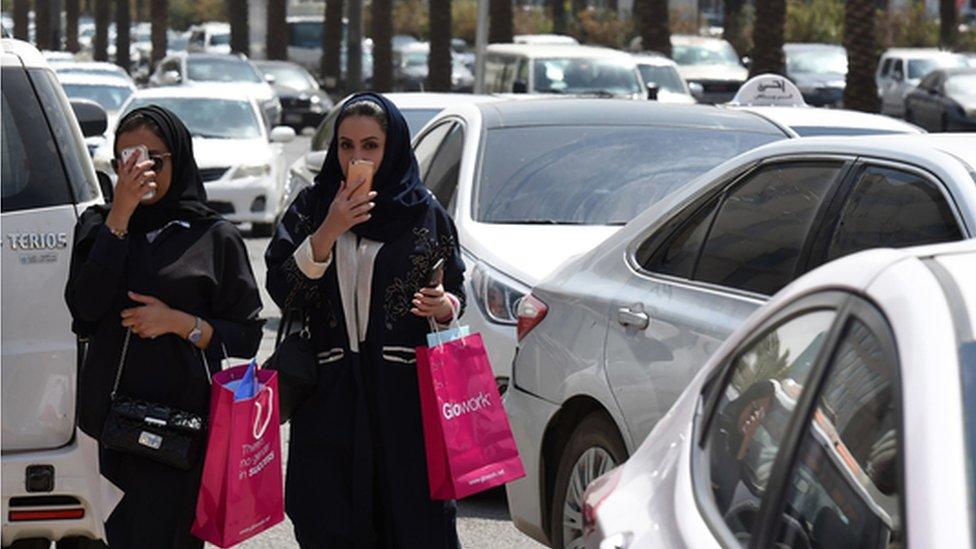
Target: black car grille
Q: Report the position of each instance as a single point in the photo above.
(222, 208)
(295, 103)
(212, 174)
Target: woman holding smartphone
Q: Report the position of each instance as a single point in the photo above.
(159, 265)
(361, 267)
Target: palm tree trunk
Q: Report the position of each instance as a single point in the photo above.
(577, 6)
(500, 21)
(861, 92)
(733, 25)
(382, 45)
(21, 19)
(122, 27)
(948, 24)
(332, 44)
(767, 36)
(655, 27)
(277, 35)
(237, 15)
(102, 16)
(42, 24)
(159, 16)
(71, 8)
(558, 8)
(439, 62)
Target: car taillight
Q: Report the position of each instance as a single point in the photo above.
(531, 311)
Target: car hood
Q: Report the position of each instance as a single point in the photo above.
(713, 72)
(530, 253)
(829, 80)
(212, 153)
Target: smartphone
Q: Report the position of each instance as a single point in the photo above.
(142, 154)
(435, 275)
(361, 169)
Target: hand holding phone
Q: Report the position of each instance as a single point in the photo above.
(360, 169)
(141, 152)
(435, 275)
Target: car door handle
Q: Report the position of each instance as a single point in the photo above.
(627, 316)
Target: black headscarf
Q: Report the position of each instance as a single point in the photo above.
(401, 196)
(186, 198)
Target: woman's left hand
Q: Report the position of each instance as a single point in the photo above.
(153, 318)
(432, 302)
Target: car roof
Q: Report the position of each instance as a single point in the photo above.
(200, 91)
(619, 112)
(202, 55)
(692, 40)
(275, 63)
(100, 66)
(839, 118)
(419, 100)
(812, 46)
(652, 59)
(917, 52)
(18, 52)
(216, 25)
(98, 79)
(557, 50)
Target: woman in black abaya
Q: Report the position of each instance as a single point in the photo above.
(168, 268)
(356, 267)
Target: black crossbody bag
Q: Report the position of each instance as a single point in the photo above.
(155, 431)
(294, 360)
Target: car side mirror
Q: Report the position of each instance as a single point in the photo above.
(282, 134)
(314, 161)
(172, 77)
(269, 78)
(652, 91)
(520, 86)
(91, 117)
(747, 62)
(697, 90)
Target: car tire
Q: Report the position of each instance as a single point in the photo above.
(594, 448)
(262, 230)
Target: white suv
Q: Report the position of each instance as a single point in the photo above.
(901, 69)
(51, 489)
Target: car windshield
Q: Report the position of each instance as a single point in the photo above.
(665, 77)
(221, 70)
(716, 53)
(68, 69)
(211, 118)
(109, 97)
(820, 61)
(417, 118)
(289, 76)
(416, 59)
(222, 39)
(961, 85)
(595, 175)
(581, 76)
(917, 68)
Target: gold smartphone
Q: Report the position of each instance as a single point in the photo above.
(361, 169)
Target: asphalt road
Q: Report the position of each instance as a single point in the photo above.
(483, 521)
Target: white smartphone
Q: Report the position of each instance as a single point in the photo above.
(142, 154)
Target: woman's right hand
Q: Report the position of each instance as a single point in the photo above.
(135, 180)
(346, 210)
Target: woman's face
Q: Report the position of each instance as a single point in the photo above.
(360, 138)
(157, 147)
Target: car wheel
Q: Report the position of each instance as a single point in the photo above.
(594, 448)
(262, 229)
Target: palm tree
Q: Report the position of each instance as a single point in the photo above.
(948, 24)
(767, 36)
(732, 25)
(159, 16)
(42, 24)
(102, 16)
(382, 45)
(122, 24)
(655, 27)
(861, 93)
(439, 61)
(21, 19)
(237, 15)
(332, 44)
(500, 21)
(277, 35)
(71, 8)
(558, 8)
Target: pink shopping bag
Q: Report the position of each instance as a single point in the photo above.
(469, 443)
(241, 493)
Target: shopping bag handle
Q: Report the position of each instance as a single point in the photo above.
(258, 432)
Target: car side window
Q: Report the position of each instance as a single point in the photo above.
(427, 147)
(752, 413)
(171, 65)
(886, 67)
(442, 176)
(323, 135)
(899, 67)
(679, 251)
(761, 228)
(31, 170)
(892, 208)
(844, 487)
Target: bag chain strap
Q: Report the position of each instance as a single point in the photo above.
(125, 350)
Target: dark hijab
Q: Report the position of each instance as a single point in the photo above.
(401, 196)
(186, 198)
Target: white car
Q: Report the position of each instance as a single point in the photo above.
(209, 38)
(94, 68)
(662, 73)
(611, 339)
(838, 415)
(901, 69)
(239, 159)
(711, 63)
(109, 92)
(531, 183)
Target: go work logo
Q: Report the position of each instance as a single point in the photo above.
(453, 410)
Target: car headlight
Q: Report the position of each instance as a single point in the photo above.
(497, 294)
(251, 170)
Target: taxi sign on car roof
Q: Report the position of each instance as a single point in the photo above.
(768, 90)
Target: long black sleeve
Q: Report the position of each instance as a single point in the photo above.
(95, 283)
(289, 287)
(236, 300)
